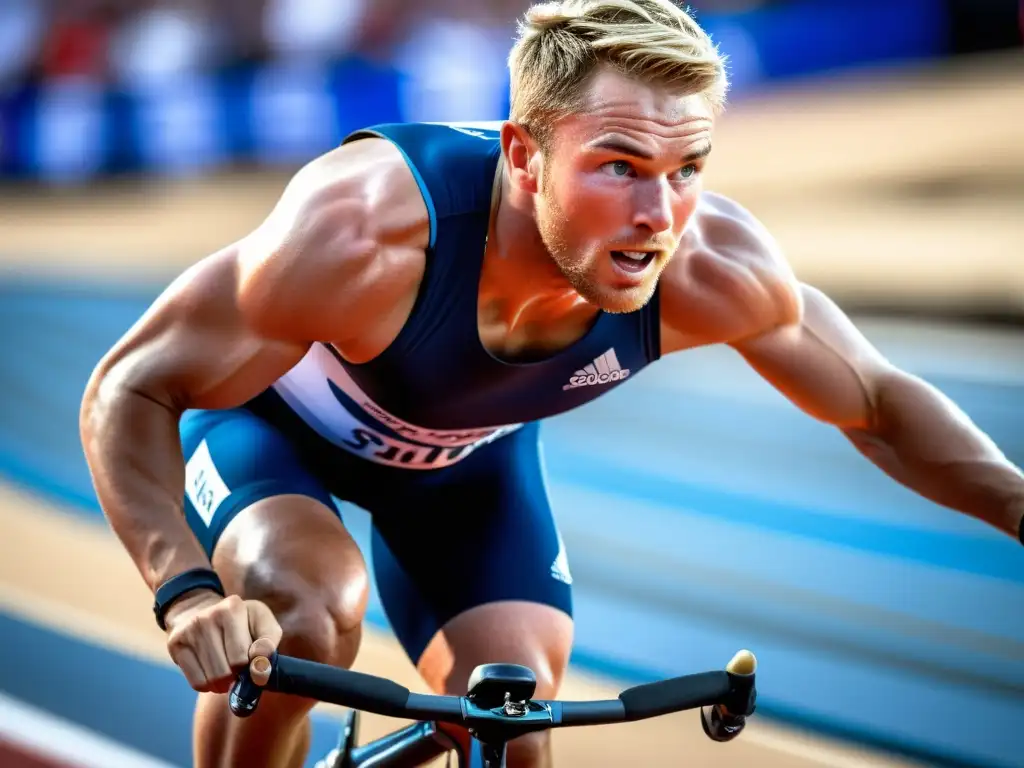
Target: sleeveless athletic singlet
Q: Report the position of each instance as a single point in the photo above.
(436, 394)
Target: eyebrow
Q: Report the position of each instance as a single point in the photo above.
(614, 144)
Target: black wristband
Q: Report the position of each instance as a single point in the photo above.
(176, 586)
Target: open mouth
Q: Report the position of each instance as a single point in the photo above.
(633, 261)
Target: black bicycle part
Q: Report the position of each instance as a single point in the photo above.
(497, 708)
(416, 744)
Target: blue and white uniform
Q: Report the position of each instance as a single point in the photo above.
(436, 438)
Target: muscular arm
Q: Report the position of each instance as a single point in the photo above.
(322, 267)
(192, 349)
(905, 426)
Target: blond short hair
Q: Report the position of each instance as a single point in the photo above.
(560, 44)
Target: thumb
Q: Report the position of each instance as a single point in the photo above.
(263, 628)
(259, 670)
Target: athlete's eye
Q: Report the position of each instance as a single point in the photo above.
(619, 168)
(687, 171)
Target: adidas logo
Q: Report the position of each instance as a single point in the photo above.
(604, 370)
(560, 567)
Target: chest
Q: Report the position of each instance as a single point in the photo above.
(528, 341)
(444, 383)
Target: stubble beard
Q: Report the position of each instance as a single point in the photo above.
(580, 276)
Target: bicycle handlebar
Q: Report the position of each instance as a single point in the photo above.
(733, 690)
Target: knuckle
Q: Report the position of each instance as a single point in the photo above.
(220, 617)
(196, 628)
(219, 608)
(179, 639)
(233, 607)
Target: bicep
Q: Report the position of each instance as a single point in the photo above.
(822, 363)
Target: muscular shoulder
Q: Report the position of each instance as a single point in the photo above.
(342, 249)
(729, 279)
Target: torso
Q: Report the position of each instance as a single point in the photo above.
(450, 377)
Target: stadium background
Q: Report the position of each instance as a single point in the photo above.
(880, 140)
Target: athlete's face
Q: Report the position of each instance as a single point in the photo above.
(618, 184)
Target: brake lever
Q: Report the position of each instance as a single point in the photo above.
(724, 722)
(245, 694)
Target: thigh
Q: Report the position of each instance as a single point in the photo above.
(477, 548)
(234, 459)
(271, 529)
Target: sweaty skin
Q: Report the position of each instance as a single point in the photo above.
(340, 259)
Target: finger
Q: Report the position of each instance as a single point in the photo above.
(190, 667)
(264, 628)
(209, 649)
(235, 628)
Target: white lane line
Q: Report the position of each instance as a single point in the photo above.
(53, 737)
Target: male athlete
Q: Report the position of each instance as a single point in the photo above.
(391, 335)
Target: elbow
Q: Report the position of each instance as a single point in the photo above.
(96, 389)
(102, 391)
(113, 386)
(908, 411)
(888, 391)
(875, 431)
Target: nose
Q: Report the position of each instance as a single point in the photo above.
(653, 205)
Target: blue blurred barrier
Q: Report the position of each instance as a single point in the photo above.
(779, 41)
(72, 131)
(701, 514)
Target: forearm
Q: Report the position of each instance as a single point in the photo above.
(924, 441)
(132, 447)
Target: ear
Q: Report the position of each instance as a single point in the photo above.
(522, 156)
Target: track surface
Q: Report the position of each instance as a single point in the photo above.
(87, 625)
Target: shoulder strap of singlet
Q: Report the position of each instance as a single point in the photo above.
(453, 164)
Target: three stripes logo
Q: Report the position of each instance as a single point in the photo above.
(604, 370)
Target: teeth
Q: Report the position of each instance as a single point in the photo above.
(636, 255)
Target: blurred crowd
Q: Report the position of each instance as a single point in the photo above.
(103, 86)
(126, 42)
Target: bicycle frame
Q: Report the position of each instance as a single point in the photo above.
(417, 744)
(420, 743)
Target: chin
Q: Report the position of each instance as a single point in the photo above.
(619, 301)
(615, 296)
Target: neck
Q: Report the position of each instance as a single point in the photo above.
(520, 284)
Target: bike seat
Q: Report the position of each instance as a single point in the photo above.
(489, 684)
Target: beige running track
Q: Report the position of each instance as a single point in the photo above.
(97, 595)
